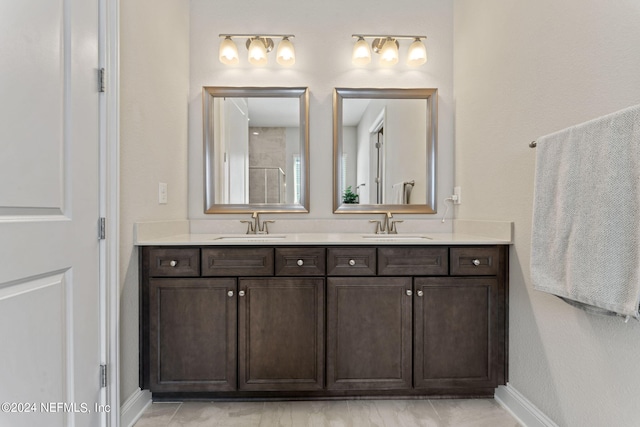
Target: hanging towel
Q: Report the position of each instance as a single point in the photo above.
(585, 245)
(402, 192)
(398, 194)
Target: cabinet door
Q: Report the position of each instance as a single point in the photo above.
(369, 333)
(192, 334)
(455, 327)
(281, 334)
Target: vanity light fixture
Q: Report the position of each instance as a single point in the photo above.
(388, 52)
(387, 47)
(285, 55)
(258, 46)
(417, 54)
(361, 52)
(228, 52)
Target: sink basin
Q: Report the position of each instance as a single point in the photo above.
(252, 237)
(394, 237)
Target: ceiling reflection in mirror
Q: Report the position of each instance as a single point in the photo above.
(384, 150)
(256, 149)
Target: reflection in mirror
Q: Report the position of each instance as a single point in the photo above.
(256, 149)
(384, 150)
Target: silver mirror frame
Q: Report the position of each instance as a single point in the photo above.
(431, 96)
(208, 95)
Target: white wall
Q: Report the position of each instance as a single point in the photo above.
(522, 70)
(154, 73)
(323, 46)
(405, 127)
(349, 148)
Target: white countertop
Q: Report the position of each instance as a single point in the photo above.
(321, 239)
(213, 233)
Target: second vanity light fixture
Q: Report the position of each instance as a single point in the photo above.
(387, 47)
(258, 45)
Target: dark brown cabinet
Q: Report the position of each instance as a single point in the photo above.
(433, 333)
(318, 322)
(281, 334)
(193, 334)
(456, 332)
(368, 333)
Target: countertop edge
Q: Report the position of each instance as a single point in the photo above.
(337, 239)
(465, 232)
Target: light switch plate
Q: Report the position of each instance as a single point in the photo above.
(162, 193)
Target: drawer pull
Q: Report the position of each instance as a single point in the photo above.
(352, 262)
(173, 263)
(420, 293)
(300, 262)
(476, 262)
(230, 293)
(409, 292)
(241, 293)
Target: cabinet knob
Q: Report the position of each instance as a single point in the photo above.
(409, 292)
(476, 262)
(241, 293)
(173, 263)
(230, 293)
(300, 262)
(352, 262)
(420, 293)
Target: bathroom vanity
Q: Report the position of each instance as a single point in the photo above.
(323, 317)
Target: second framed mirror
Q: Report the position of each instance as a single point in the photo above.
(384, 144)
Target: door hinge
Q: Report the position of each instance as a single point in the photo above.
(101, 80)
(102, 228)
(103, 376)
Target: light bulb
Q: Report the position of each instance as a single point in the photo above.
(285, 54)
(389, 52)
(361, 52)
(417, 53)
(228, 52)
(257, 52)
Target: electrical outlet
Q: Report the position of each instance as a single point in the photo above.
(162, 193)
(457, 191)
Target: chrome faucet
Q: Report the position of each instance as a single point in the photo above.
(386, 226)
(254, 226)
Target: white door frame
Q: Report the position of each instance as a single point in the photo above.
(110, 206)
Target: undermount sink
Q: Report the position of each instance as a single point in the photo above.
(253, 237)
(392, 237)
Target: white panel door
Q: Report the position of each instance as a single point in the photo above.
(49, 207)
(236, 143)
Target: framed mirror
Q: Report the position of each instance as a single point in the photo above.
(256, 149)
(384, 150)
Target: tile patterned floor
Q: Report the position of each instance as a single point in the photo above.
(347, 413)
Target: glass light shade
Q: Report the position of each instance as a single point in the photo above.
(417, 54)
(389, 52)
(257, 52)
(285, 54)
(361, 52)
(228, 52)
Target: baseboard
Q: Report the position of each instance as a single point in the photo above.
(135, 405)
(521, 408)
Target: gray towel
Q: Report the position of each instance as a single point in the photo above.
(585, 244)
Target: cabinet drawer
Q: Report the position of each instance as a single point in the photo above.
(477, 261)
(409, 261)
(174, 262)
(300, 261)
(351, 261)
(237, 262)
